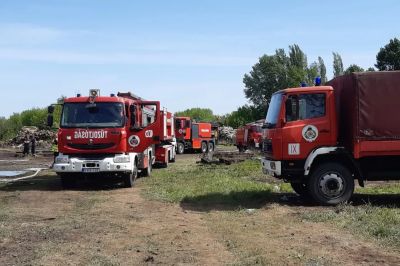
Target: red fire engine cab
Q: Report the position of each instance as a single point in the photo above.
(118, 136)
(249, 136)
(322, 139)
(193, 135)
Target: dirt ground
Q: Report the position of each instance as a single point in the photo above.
(41, 224)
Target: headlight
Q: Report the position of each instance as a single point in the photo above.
(62, 159)
(122, 159)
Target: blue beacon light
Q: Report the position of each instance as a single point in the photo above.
(318, 81)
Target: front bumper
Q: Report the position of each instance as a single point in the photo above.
(87, 165)
(273, 168)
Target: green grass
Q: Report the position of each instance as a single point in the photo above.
(188, 182)
(372, 189)
(377, 222)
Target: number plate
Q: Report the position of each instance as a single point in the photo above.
(91, 170)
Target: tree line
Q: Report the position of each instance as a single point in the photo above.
(289, 69)
(271, 73)
(36, 117)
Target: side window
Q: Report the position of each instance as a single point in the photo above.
(292, 108)
(178, 123)
(148, 115)
(305, 106)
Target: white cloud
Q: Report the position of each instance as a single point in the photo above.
(27, 34)
(146, 58)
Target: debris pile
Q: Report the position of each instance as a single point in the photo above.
(44, 138)
(225, 157)
(227, 134)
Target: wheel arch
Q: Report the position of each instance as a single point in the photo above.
(331, 154)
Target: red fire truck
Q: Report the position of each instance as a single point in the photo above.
(320, 139)
(249, 136)
(192, 135)
(118, 136)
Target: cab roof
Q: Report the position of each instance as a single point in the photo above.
(306, 89)
(84, 99)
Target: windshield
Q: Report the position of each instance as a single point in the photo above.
(96, 115)
(273, 110)
(256, 129)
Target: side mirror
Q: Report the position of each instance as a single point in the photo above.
(50, 120)
(132, 112)
(50, 109)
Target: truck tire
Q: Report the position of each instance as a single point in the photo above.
(180, 148)
(300, 188)
(130, 178)
(204, 147)
(68, 181)
(147, 172)
(165, 164)
(210, 146)
(240, 148)
(331, 184)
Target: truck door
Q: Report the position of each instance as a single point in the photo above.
(196, 141)
(246, 136)
(146, 129)
(307, 125)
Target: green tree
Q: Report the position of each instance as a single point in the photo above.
(337, 65)
(266, 77)
(371, 69)
(34, 117)
(322, 70)
(298, 71)
(198, 114)
(388, 57)
(31, 117)
(312, 73)
(243, 115)
(279, 71)
(3, 128)
(10, 126)
(353, 68)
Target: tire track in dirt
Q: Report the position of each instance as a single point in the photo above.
(275, 235)
(48, 226)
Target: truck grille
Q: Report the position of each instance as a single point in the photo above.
(267, 146)
(98, 146)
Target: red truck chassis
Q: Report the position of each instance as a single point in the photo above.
(320, 139)
(117, 136)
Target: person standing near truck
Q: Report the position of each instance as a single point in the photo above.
(26, 146)
(33, 145)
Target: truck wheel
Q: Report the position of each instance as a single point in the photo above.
(300, 188)
(331, 184)
(165, 164)
(180, 149)
(129, 178)
(68, 181)
(204, 147)
(241, 148)
(147, 171)
(210, 146)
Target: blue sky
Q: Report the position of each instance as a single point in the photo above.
(183, 53)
